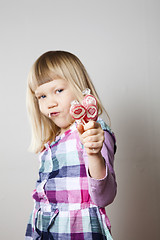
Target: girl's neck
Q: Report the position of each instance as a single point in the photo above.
(62, 131)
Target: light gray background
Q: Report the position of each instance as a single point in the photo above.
(119, 43)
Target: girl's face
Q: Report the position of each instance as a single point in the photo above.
(54, 99)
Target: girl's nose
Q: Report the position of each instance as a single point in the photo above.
(52, 103)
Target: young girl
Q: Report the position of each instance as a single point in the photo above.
(76, 176)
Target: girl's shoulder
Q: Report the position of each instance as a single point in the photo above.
(105, 127)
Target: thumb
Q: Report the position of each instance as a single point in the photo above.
(80, 128)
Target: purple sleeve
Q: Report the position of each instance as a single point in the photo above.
(103, 191)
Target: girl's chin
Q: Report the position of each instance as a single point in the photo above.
(63, 122)
(65, 128)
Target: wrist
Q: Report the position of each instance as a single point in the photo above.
(96, 166)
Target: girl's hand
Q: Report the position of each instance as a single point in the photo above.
(91, 136)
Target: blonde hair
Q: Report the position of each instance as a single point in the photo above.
(49, 66)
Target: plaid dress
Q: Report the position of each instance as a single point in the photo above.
(64, 207)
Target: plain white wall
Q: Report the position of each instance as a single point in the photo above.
(119, 43)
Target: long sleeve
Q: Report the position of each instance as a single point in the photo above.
(103, 191)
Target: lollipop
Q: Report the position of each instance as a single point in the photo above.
(87, 110)
(92, 113)
(77, 110)
(90, 103)
(88, 99)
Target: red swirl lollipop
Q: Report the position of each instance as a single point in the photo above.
(90, 103)
(77, 110)
(89, 99)
(92, 113)
(87, 111)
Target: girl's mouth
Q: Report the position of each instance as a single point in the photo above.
(53, 114)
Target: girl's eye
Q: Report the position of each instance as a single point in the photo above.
(59, 90)
(42, 96)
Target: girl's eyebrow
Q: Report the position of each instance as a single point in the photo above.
(57, 84)
(38, 93)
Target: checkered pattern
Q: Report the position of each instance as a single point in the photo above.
(63, 207)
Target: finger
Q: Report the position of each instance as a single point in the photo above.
(92, 132)
(92, 151)
(80, 128)
(91, 125)
(93, 145)
(92, 138)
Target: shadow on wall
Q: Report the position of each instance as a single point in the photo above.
(135, 209)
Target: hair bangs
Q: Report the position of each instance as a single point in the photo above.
(43, 71)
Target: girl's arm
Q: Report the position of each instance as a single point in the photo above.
(99, 146)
